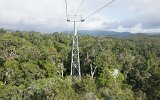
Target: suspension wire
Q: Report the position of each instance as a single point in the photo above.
(67, 16)
(99, 9)
(79, 7)
(66, 8)
(67, 30)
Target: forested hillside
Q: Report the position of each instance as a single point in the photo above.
(35, 66)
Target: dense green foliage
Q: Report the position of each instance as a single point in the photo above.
(35, 66)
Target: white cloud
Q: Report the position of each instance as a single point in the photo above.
(146, 11)
(145, 18)
(98, 22)
(44, 13)
(136, 29)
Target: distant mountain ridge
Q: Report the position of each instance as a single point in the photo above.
(103, 33)
(111, 33)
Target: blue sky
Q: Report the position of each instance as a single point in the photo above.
(49, 15)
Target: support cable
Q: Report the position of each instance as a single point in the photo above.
(79, 7)
(67, 29)
(99, 9)
(66, 8)
(67, 16)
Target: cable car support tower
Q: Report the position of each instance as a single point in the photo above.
(75, 61)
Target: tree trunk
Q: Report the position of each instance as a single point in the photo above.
(93, 70)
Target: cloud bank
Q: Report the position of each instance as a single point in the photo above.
(49, 15)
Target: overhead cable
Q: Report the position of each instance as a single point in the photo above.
(66, 8)
(99, 9)
(79, 7)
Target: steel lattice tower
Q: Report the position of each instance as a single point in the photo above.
(75, 61)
